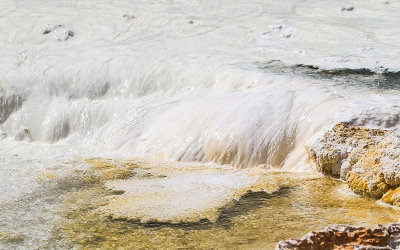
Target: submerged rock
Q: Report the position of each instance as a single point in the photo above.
(172, 193)
(347, 237)
(177, 193)
(367, 159)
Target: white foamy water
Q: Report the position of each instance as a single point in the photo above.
(184, 80)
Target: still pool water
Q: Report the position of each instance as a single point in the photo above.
(256, 221)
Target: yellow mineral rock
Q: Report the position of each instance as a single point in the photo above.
(368, 159)
(371, 184)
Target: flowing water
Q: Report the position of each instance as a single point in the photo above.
(242, 83)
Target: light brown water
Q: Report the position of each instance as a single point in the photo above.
(256, 221)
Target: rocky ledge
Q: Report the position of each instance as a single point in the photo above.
(367, 159)
(347, 237)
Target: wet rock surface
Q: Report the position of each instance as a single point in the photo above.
(367, 159)
(348, 237)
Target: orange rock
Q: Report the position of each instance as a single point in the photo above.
(346, 237)
(391, 196)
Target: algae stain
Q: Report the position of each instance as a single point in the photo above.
(46, 177)
(256, 220)
(10, 237)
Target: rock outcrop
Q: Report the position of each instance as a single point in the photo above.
(347, 237)
(367, 159)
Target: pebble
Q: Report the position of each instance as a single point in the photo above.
(128, 17)
(61, 32)
(348, 8)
